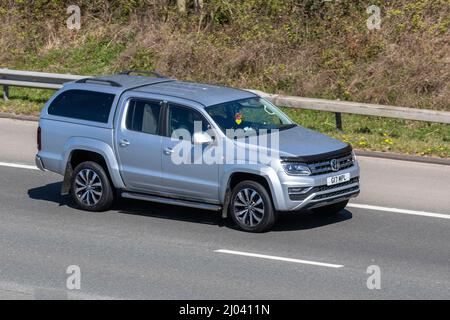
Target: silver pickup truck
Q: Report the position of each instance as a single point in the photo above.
(189, 144)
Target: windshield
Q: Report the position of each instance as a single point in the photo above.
(250, 115)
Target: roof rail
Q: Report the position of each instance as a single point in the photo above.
(101, 81)
(128, 72)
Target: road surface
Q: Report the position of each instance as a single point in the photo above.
(400, 224)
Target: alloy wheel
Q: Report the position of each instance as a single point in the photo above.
(88, 187)
(248, 207)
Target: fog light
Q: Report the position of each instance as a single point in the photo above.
(297, 190)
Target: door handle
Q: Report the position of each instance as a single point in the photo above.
(168, 151)
(124, 143)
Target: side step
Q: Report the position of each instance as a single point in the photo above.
(176, 202)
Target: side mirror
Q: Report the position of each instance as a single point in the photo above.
(201, 138)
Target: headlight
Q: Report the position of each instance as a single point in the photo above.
(293, 168)
(353, 156)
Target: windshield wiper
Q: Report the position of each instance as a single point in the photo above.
(287, 126)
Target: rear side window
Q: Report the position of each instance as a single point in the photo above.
(83, 105)
(143, 116)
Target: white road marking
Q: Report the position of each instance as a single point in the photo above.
(18, 165)
(403, 211)
(263, 256)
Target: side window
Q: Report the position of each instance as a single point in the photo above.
(83, 105)
(220, 116)
(185, 118)
(143, 116)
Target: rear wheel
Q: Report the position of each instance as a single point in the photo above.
(332, 208)
(91, 189)
(251, 207)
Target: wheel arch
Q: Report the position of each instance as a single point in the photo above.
(79, 149)
(264, 175)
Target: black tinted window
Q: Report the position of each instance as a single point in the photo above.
(82, 104)
(143, 116)
(183, 118)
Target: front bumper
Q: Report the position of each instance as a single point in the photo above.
(331, 196)
(39, 163)
(317, 193)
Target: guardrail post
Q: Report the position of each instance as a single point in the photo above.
(6, 93)
(338, 121)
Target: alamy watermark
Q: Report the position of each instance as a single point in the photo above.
(238, 147)
(374, 21)
(374, 280)
(73, 281)
(74, 20)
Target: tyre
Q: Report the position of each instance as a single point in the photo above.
(332, 208)
(251, 207)
(91, 189)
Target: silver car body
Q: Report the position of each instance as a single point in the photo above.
(137, 162)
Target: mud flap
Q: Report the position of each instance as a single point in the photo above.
(65, 187)
(226, 203)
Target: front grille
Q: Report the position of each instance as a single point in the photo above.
(324, 166)
(336, 193)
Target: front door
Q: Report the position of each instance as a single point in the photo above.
(192, 179)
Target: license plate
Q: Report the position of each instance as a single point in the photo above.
(331, 181)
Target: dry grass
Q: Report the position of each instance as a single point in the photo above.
(293, 47)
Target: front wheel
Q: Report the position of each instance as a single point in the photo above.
(332, 208)
(91, 189)
(251, 207)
